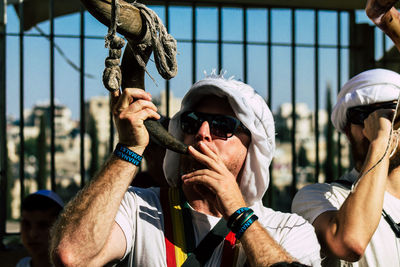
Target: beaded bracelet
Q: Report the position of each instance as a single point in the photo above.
(128, 155)
(246, 225)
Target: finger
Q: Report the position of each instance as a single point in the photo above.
(142, 115)
(203, 179)
(127, 97)
(114, 97)
(139, 105)
(209, 158)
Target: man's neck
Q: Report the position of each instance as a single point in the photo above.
(201, 200)
(42, 261)
(393, 183)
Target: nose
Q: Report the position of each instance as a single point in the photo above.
(204, 133)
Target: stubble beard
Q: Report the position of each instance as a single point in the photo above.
(359, 151)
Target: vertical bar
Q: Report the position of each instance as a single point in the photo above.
(21, 102)
(245, 44)
(82, 94)
(167, 84)
(293, 74)
(383, 50)
(219, 37)
(111, 137)
(339, 83)
(269, 53)
(316, 82)
(52, 106)
(269, 99)
(194, 34)
(3, 123)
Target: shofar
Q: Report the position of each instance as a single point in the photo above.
(386, 17)
(131, 26)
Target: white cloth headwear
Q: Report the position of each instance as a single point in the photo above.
(251, 109)
(366, 88)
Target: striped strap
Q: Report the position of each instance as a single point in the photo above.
(179, 237)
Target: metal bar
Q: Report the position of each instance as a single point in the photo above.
(293, 74)
(245, 44)
(269, 99)
(269, 54)
(194, 34)
(188, 40)
(383, 49)
(52, 105)
(219, 37)
(82, 95)
(167, 83)
(21, 103)
(339, 82)
(3, 123)
(316, 83)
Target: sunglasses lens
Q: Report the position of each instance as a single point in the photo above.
(190, 122)
(223, 126)
(220, 125)
(357, 115)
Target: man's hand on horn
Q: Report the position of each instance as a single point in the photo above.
(130, 109)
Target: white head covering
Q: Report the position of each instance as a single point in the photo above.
(251, 109)
(366, 88)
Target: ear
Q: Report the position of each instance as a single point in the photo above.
(347, 130)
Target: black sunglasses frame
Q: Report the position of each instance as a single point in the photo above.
(357, 115)
(217, 122)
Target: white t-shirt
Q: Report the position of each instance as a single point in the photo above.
(384, 247)
(141, 219)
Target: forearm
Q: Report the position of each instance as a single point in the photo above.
(359, 216)
(261, 249)
(85, 225)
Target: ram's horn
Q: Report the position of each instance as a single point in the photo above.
(386, 17)
(131, 26)
(129, 21)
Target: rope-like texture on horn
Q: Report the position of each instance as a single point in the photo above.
(162, 43)
(112, 75)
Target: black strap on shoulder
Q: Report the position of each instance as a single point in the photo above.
(202, 253)
(345, 183)
(393, 225)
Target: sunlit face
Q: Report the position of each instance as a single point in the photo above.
(360, 145)
(35, 227)
(231, 150)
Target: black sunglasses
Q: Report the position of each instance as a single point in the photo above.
(357, 115)
(220, 125)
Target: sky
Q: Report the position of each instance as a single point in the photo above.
(37, 55)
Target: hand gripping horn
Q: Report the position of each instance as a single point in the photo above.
(132, 25)
(386, 17)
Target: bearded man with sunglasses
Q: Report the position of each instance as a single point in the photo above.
(212, 215)
(357, 217)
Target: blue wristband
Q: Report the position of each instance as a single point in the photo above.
(128, 155)
(246, 225)
(235, 215)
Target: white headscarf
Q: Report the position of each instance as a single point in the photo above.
(366, 88)
(251, 109)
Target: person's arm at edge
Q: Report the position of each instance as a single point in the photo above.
(261, 249)
(86, 233)
(345, 233)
